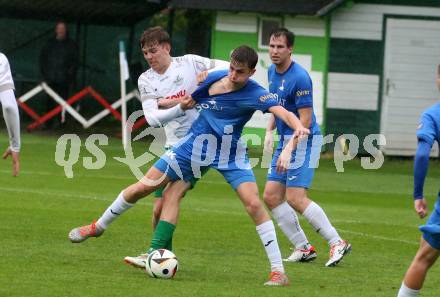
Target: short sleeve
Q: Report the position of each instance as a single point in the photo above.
(261, 100)
(426, 128)
(303, 92)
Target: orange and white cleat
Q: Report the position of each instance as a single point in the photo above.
(302, 255)
(337, 252)
(80, 234)
(277, 278)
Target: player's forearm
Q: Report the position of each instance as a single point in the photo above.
(160, 117)
(291, 145)
(270, 124)
(292, 121)
(421, 164)
(12, 119)
(305, 116)
(167, 103)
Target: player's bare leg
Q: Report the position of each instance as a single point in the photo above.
(285, 216)
(157, 209)
(416, 273)
(152, 180)
(315, 215)
(248, 193)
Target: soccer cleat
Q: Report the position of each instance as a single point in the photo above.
(302, 255)
(337, 252)
(277, 278)
(138, 262)
(80, 234)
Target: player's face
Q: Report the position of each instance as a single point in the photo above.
(278, 51)
(60, 31)
(239, 73)
(157, 55)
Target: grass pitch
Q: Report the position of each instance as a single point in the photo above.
(218, 248)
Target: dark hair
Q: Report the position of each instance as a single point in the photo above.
(290, 36)
(154, 35)
(245, 55)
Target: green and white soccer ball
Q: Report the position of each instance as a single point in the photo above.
(162, 263)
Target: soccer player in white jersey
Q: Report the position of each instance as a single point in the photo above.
(162, 88)
(287, 191)
(164, 85)
(10, 114)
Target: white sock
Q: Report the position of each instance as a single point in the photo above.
(118, 207)
(317, 218)
(268, 237)
(288, 222)
(407, 292)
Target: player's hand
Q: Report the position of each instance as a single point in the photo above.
(301, 133)
(201, 77)
(268, 142)
(187, 102)
(15, 160)
(420, 207)
(283, 162)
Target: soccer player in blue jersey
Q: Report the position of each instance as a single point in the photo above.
(227, 100)
(427, 133)
(286, 192)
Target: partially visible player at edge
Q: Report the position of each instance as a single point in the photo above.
(162, 88)
(10, 114)
(286, 192)
(229, 100)
(428, 132)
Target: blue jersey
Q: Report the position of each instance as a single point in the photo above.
(293, 90)
(428, 131)
(224, 115)
(429, 125)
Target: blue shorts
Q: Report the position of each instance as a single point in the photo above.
(177, 165)
(431, 231)
(304, 161)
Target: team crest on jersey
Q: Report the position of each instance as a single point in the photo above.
(282, 85)
(267, 96)
(178, 81)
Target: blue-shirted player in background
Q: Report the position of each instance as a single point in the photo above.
(226, 101)
(287, 191)
(427, 133)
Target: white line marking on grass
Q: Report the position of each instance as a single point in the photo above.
(379, 237)
(128, 177)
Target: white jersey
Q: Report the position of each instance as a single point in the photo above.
(6, 81)
(177, 81)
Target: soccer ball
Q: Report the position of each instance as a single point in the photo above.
(162, 264)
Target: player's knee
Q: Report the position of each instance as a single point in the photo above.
(426, 257)
(270, 199)
(254, 207)
(296, 197)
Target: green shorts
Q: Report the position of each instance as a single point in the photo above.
(158, 193)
